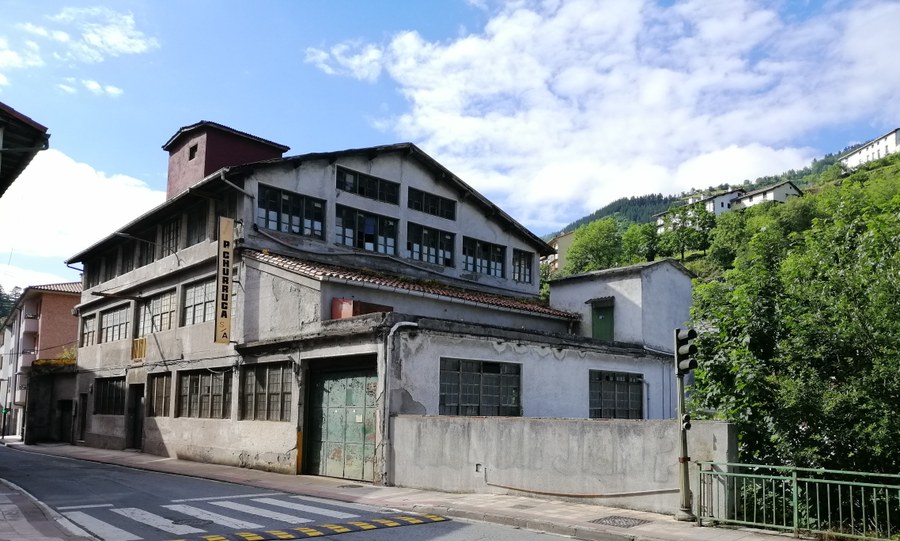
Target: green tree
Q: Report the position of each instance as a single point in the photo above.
(597, 245)
(686, 228)
(639, 243)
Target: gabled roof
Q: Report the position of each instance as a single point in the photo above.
(364, 278)
(863, 146)
(207, 124)
(73, 288)
(769, 189)
(22, 139)
(630, 269)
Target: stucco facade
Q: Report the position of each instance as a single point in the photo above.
(875, 149)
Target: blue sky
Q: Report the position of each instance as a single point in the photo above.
(550, 108)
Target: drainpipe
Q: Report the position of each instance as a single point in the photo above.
(386, 413)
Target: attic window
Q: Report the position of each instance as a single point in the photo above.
(192, 152)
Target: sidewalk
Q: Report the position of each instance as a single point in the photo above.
(582, 521)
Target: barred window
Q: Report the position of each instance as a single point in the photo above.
(266, 392)
(205, 394)
(483, 257)
(88, 330)
(616, 395)
(109, 396)
(156, 314)
(367, 231)
(522, 263)
(430, 245)
(159, 389)
(199, 303)
(480, 388)
(168, 240)
(114, 324)
(289, 212)
(365, 185)
(432, 204)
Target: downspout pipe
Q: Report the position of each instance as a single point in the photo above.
(388, 475)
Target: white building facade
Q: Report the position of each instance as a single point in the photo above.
(875, 149)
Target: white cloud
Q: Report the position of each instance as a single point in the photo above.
(103, 33)
(67, 88)
(556, 108)
(58, 206)
(99, 89)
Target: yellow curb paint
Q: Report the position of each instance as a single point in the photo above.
(386, 522)
(310, 532)
(411, 520)
(280, 534)
(335, 528)
(363, 525)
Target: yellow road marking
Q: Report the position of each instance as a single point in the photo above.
(363, 525)
(386, 522)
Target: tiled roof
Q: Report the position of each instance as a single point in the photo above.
(65, 287)
(323, 272)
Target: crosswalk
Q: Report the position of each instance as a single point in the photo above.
(207, 515)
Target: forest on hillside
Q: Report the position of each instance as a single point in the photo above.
(7, 301)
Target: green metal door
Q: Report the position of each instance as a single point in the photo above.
(342, 425)
(602, 323)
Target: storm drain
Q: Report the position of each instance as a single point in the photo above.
(620, 522)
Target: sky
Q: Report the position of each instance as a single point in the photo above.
(550, 108)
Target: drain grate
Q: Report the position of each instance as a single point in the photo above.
(620, 522)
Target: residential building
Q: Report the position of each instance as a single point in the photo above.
(778, 193)
(714, 204)
(560, 244)
(21, 138)
(875, 149)
(282, 312)
(37, 363)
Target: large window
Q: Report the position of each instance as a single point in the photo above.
(205, 394)
(375, 188)
(289, 212)
(522, 264)
(266, 392)
(196, 223)
(364, 230)
(127, 257)
(109, 396)
(109, 265)
(168, 238)
(199, 303)
(432, 204)
(88, 330)
(483, 257)
(429, 245)
(159, 389)
(616, 395)
(157, 314)
(114, 324)
(480, 388)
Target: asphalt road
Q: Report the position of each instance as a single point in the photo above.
(114, 503)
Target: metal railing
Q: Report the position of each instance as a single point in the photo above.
(833, 503)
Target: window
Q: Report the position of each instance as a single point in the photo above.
(483, 257)
(127, 257)
(199, 303)
(266, 392)
(146, 248)
(430, 245)
(168, 241)
(114, 324)
(522, 264)
(432, 204)
(616, 395)
(367, 231)
(375, 188)
(196, 223)
(109, 396)
(192, 152)
(156, 314)
(159, 389)
(88, 331)
(205, 394)
(92, 273)
(289, 212)
(109, 265)
(479, 388)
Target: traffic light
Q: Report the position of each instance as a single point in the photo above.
(5, 410)
(685, 351)
(686, 422)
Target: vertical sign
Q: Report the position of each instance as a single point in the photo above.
(223, 280)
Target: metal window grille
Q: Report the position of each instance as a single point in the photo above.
(616, 395)
(109, 396)
(480, 388)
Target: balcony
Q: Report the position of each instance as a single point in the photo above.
(26, 358)
(30, 324)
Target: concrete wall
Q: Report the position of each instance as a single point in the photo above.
(626, 288)
(628, 464)
(666, 298)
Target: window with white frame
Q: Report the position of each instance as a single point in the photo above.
(522, 264)
(199, 302)
(480, 388)
(156, 314)
(159, 389)
(205, 394)
(114, 324)
(483, 257)
(616, 395)
(266, 392)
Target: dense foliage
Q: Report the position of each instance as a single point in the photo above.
(7, 301)
(637, 210)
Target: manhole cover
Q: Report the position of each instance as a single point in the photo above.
(620, 522)
(192, 522)
(350, 486)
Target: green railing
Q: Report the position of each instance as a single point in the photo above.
(831, 503)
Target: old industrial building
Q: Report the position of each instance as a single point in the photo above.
(282, 312)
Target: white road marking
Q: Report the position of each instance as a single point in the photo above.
(333, 503)
(306, 508)
(101, 529)
(214, 517)
(73, 507)
(210, 498)
(156, 521)
(290, 519)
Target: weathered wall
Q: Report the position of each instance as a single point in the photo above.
(626, 288)
(666, 293)
(628, 464)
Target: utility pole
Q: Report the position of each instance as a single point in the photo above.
(684, 363)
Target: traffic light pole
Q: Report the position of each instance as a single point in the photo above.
(684, 351)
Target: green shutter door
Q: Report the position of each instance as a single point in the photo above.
(602, 323)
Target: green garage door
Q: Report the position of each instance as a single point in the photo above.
(342, 425)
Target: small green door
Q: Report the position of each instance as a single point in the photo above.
(602, 323)
(342, 425)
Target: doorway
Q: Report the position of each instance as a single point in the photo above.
(135, 435)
